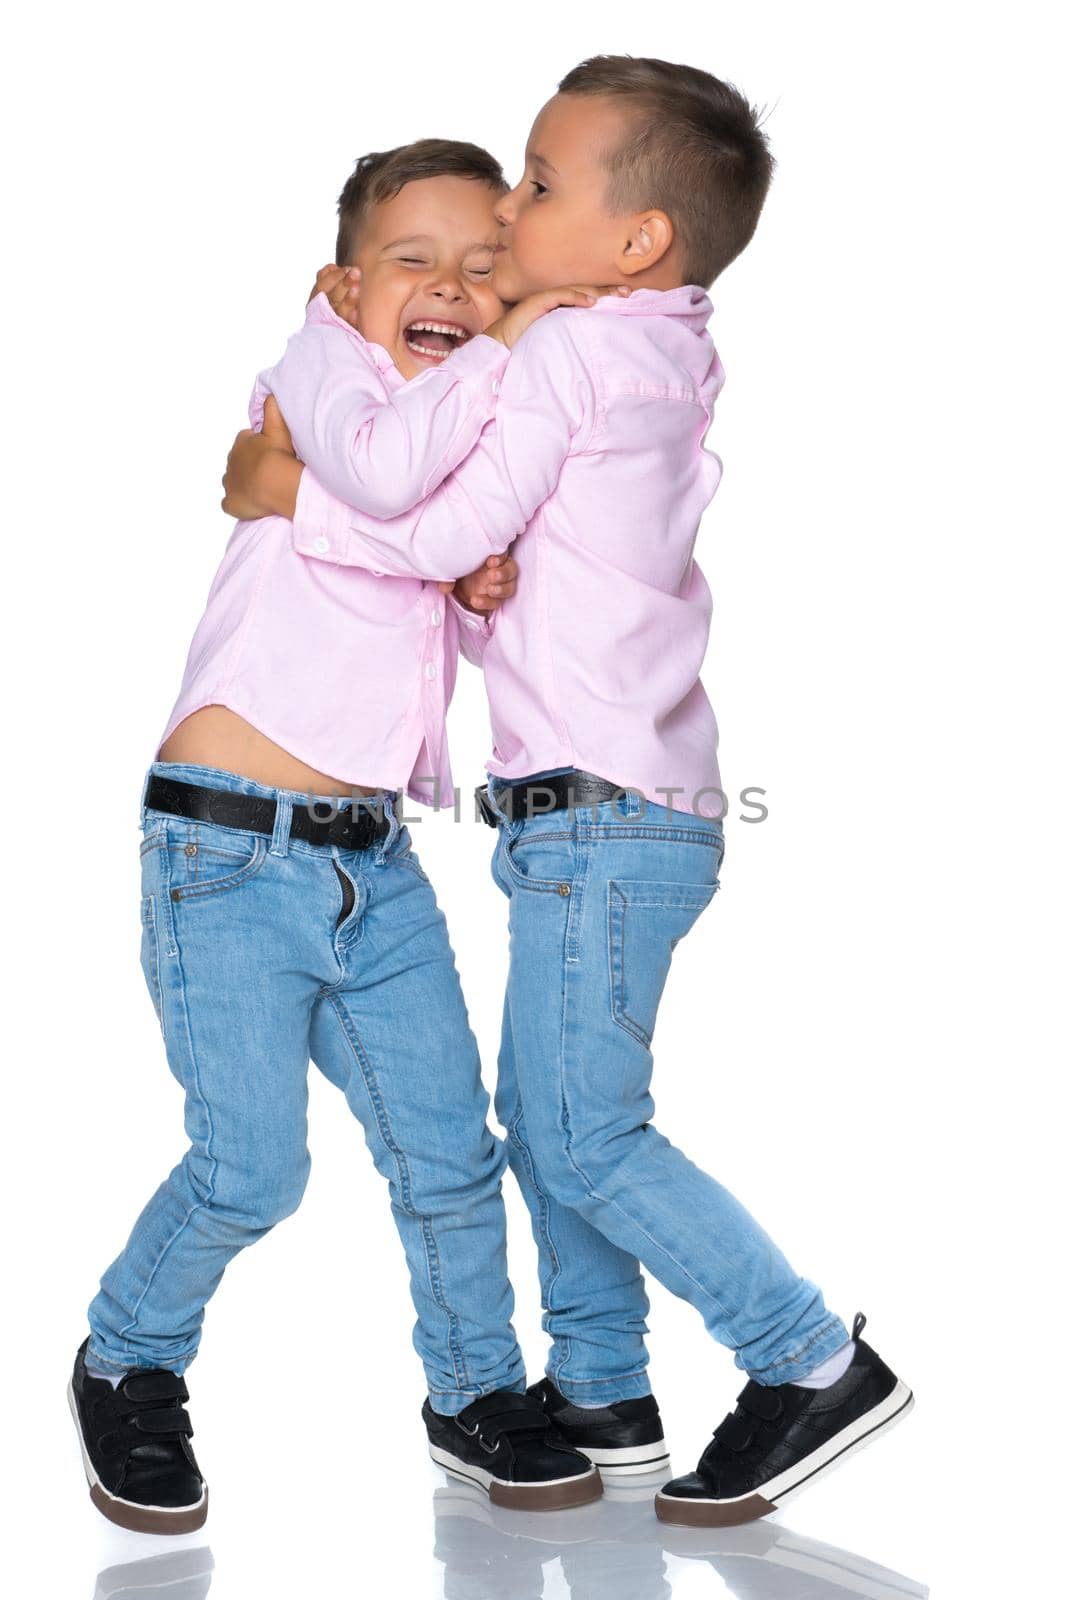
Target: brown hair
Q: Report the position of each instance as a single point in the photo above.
(382, 174)
(695, 150)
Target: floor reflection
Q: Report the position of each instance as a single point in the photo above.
(174, 1575)
(617, 1550)
(614, 1550)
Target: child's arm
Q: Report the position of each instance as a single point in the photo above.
(382, 455)
(547, 409)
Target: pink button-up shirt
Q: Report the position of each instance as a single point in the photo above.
(595, 463)
(349, 670)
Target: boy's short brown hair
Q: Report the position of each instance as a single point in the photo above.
(694, 150)
(383, 173)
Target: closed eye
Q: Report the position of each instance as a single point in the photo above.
(411, 261)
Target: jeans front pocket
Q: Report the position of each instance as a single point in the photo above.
(150, 956)
(543, 860)
(646, 920)
(208, 860)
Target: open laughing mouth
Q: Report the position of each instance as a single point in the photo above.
(433, 340)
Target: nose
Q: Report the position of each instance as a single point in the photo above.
(504, 209)
(449, 289)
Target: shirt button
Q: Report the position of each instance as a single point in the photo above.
(431, 670)
(496, 385)
(435, 618)
(322, 545)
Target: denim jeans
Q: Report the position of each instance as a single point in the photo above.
(260, 953)
(599, 897)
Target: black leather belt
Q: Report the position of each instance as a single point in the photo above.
(354, 828)
(544, 795)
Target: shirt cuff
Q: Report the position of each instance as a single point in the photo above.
(475, 630)
(321, 522)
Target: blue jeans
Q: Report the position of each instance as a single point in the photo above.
(599, 897)
(260, 953)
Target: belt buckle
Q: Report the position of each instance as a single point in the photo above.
(485, 810)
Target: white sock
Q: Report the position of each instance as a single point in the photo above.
(114, 1378)
(830, 1370)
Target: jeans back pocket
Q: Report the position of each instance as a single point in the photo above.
(646, 920)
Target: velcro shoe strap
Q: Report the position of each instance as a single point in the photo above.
(155, 1385)
(168, 1421)
(736, 1431)
(495, 1414)
(761, 1401)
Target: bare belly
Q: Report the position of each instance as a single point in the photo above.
(217, 737)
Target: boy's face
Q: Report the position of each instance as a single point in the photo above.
(427, 255)
(555, 227)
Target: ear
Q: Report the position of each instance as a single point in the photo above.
(649, 236)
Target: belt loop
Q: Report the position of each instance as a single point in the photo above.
(144, 792)
(636, 803)
(394, 810)
(501, 797)
(283, 817)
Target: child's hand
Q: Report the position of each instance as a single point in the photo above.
(487, 588)
(275, 428)
(340, 285)
(514, 323)
(243, 499)
(262, 472)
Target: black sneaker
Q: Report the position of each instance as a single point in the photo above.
(781, 1437)
(506, 1445)
(135, 1448)
(622, 1439)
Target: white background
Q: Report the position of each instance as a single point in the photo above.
(858, 1037)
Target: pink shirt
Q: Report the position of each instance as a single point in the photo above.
(594, 463)
(349, 670)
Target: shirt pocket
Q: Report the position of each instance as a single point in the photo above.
(646, 920)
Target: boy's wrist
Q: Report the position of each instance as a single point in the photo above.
(277, 482)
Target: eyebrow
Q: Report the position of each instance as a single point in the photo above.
(412, 238)
(543, 161)
(425, 238)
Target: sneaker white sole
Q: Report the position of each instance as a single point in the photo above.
(695, 1512)
(554, 1494)
(131, 1513)
(633, 1460)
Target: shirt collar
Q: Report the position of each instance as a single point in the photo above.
(689, 303)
